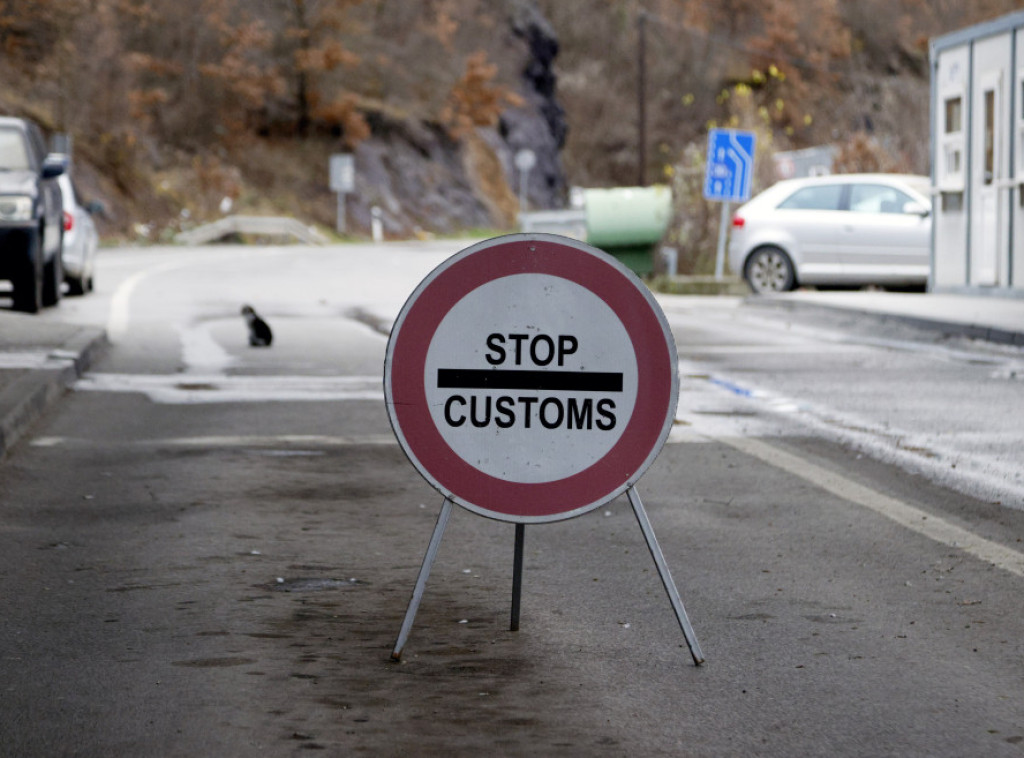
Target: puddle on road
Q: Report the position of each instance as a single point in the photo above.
(317, 584)
(213, 663)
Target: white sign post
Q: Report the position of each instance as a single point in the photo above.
(532, 378)
(525, 160)
(342, 169)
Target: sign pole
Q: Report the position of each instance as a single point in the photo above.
(525, 160)
(517, 575)
(666, 575)
(421, 581)
(723, 230)
(342, 225)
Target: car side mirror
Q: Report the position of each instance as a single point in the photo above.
(54, 164)
(917, 209)
(95, 207)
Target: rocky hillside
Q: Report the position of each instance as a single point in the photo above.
(182, 110)
(427, 176)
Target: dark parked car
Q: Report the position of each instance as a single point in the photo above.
(31, 215)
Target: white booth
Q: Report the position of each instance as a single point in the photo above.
(977, 127)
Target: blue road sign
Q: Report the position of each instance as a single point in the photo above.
(730, 164)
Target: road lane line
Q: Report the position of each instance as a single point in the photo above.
(927, 524)
(120, 303)
(234, 441)
(192, 389)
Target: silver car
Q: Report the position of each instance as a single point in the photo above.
(78, 254)
(845, 230)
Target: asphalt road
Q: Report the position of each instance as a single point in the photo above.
(208, 549)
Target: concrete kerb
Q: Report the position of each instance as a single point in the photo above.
(946, 327)
(24, 400)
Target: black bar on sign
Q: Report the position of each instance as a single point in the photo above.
(491, 379)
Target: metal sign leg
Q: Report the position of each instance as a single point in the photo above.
(421, 581)
(666, 575)
(517, 576)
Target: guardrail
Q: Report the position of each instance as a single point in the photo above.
(569, 223)
(272, 226)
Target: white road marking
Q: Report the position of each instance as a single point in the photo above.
(194, 389)
(773, 348)
(201, 353)
(238, 441)
(120, 303)
(34, 359)
(927, 524)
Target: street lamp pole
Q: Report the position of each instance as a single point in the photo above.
(641, 94)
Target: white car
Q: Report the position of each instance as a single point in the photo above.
(847, 230)
(78, 254)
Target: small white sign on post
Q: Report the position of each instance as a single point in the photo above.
(343, 173)
(342, 170)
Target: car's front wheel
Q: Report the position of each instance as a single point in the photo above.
(769, 269)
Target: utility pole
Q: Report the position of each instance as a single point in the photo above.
(641, 95)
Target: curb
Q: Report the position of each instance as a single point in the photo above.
(698, 285)
(26, 399)
(992, 334)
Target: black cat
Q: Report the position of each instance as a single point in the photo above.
(259, 332)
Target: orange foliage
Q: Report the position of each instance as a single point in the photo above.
(443, 28)
(344, 112)
(325, 58)
(241, 69)
(476, 100)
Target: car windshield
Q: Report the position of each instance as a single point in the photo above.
(877, 198)
(13, 154)
(817, 198)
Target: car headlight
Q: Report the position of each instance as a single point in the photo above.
(15, 208)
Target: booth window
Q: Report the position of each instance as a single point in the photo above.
(954, 115)
(953, 140)
(952, 202)
(990, 136)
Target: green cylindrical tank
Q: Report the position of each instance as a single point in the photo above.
(628, 222)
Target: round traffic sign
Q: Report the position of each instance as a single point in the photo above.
(531, 378)
(525, 159)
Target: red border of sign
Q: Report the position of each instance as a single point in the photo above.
(628, 298)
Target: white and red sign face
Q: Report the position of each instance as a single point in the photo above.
(531, 378)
